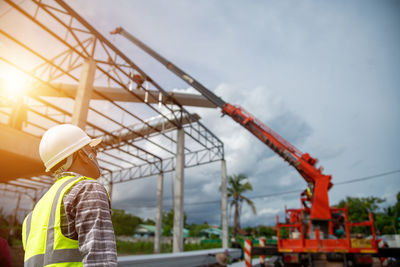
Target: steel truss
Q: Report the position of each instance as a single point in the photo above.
(26, 188)
(141, 148)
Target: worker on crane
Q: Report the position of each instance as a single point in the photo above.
(71, 224)
(307, 195)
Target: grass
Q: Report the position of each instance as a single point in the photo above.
(140, 248)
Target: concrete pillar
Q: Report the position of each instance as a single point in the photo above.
(108, 183)
(224, 205)
(84, 93)
(110, 188)
(158, 233)
(178, 193)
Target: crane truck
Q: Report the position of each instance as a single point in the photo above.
(316, 231)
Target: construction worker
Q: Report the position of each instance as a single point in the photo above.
(71, 224)
(306, 195)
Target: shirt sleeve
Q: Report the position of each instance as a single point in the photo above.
(87, 208)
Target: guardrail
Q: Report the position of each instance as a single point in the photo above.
(190, 258)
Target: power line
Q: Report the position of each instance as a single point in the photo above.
(367, 177)
(279, 193)
(300, 190)
(339, 183)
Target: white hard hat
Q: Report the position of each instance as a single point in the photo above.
(61, 141)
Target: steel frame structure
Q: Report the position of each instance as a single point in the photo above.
(130, 150)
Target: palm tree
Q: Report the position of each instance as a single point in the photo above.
(237, 185)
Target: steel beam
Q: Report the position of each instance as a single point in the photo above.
(192, 159)
(83, 93)
(139, 131)
(119, 94)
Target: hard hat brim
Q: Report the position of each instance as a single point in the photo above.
(95, 142)
(92, 143)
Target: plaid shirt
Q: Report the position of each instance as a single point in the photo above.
(86, 217)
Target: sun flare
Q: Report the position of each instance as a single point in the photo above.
(13, 83)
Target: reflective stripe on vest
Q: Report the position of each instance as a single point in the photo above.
(58, 256)
(28, 226)
(51, 255)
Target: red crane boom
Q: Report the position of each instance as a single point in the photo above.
(302, 162)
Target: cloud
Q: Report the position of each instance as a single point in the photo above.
(268, 211)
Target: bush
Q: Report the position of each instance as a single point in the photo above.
(124, 223)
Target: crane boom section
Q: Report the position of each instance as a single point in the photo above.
(303, 163)
(266, 135)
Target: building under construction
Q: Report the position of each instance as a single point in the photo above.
(59, 70)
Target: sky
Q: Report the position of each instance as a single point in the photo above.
(322, 74)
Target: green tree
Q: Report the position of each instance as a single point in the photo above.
(168, 222)
(391, 218)
(395, 210)
(384, 223)
(359, 209)
(267, 231)
(237, 185)
(251, 231)
(195, 229)
(149, 222)
(124, 223)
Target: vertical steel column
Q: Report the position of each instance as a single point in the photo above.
(157, 235)
(178, 193)
(84, 93)
(224, 205)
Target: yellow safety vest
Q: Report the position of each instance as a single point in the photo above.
(309, 192)
(43, 241)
